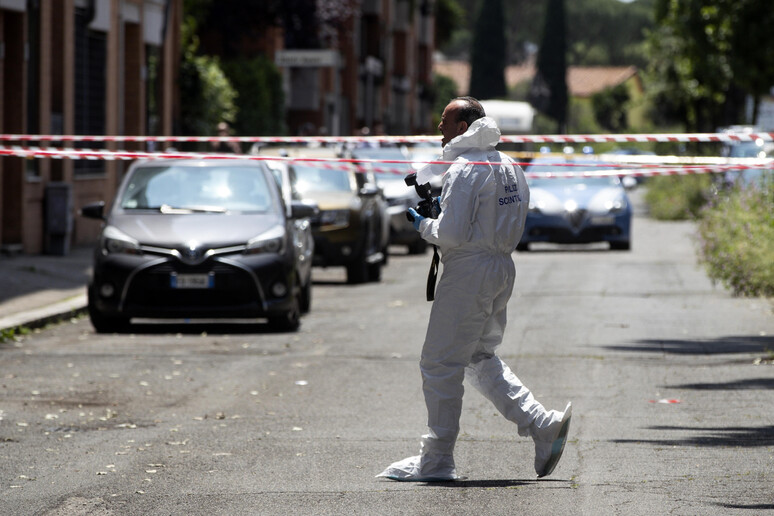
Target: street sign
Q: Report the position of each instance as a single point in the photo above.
(307, 58)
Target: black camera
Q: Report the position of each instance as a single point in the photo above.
(427, 207)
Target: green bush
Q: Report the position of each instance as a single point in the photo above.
(677, 197)
(736, 236)
(206, 95)
(261, 101)
(443, 90)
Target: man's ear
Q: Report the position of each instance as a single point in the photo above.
(464, 126)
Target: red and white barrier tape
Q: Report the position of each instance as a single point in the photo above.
(362, 165)
(551, 138)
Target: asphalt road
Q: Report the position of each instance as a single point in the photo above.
(671, 379)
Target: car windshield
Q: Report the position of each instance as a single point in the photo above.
(316, 179)
(187, 189)
(558, 166)
(756, 149)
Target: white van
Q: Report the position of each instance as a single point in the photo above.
(512, 117)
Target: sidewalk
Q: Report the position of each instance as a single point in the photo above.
(35, 289)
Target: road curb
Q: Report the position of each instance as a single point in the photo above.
(39, 317)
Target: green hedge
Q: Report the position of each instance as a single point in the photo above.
(736, 236)
(678, 197)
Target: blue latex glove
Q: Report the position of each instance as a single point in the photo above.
(416, 218)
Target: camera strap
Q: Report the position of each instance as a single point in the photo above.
(433, 274)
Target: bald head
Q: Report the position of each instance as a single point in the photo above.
(457, 117)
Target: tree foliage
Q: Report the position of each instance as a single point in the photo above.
(444, 90)
(487, 71)
(449, 16)
(602, 32)
(608, 32)
(259, 84)
(549, 91)
(206, 95)
(227, 29)
(610, 108)
(706, 54)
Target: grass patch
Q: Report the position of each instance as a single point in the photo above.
(13, 334)
(678, 197)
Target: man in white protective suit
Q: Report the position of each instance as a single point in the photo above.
(484, 203)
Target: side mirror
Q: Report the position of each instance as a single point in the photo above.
(94, 210)
(370, 190)
(304, 209)
(629, 182)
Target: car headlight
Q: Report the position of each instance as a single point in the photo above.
(615, 205)
(272, 241)
(115, 241)
(536, 205)
(334, 217)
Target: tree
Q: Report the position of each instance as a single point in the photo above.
(608, 32)
(487, 74)
(449, 16)
(602, 32)
(261, 104)
(444, 90)
(752, 42)
(228, 29)
(706, 54)
(549, 87)
(206, 95)
(610, 108)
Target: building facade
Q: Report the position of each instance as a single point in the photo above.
(109, 67)
(375, 71)
(78, 67)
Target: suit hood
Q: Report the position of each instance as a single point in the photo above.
(482, 135)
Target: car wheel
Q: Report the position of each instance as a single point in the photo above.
(106, 323)
(306, 297)
(621, 246)
(418, 246)
(290, 320)
(357, 272)
(375, 272)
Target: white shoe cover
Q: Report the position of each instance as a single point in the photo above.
(550, 441)
(422, 469)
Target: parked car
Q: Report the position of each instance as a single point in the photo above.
(391, 178)
(758, 149)
(352, 226)
(201, 239)
(303, 238)
(631, 182)
(578, 209)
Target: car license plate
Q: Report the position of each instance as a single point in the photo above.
(192, 280)
(603, 221)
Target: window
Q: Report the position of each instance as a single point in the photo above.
(90, 85)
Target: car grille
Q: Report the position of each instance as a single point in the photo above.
(576, 218)
(232, 287)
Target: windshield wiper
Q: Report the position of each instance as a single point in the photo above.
(167, 209)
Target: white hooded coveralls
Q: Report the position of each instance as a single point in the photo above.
(484, 207)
